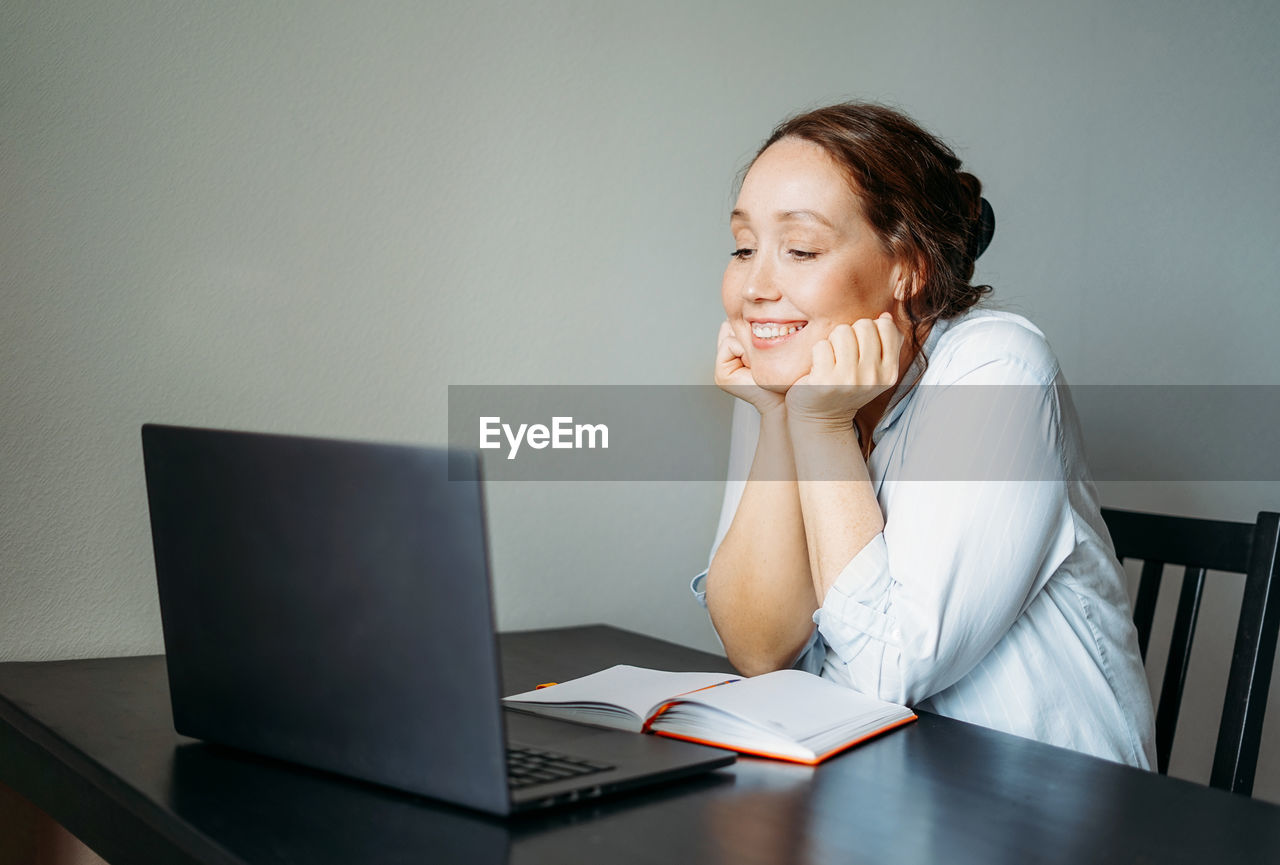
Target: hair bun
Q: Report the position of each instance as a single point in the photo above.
(983, 231)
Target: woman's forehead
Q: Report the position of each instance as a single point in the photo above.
(795, 180)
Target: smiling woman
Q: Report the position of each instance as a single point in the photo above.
(876, 382)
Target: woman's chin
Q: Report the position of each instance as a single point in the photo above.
(777, 374)
(776, 381)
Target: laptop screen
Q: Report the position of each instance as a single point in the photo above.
(329, 603)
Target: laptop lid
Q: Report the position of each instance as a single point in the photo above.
(329, 603)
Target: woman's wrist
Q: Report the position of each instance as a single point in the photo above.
(775, 412)
(806, 425)
(824, 450)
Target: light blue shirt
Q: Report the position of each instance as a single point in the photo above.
(993, 595)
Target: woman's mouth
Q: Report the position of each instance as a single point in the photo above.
(766, 334)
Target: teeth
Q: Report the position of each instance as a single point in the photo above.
(773, 331)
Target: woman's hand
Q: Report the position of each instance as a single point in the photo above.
(851, 367)
(734, 376)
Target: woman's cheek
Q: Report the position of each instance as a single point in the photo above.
(730, 298)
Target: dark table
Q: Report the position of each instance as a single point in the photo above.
(91, 742)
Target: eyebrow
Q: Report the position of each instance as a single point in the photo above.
(786, 216)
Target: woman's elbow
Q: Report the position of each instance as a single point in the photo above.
(750, 652)
(758, 637)
(757, 654)
(756, 663)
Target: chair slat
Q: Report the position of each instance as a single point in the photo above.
(1240, 734)
(1144, 607)
(1175, 672)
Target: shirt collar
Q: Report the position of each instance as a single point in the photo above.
(906, 388)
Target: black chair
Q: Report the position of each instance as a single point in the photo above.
(1199, 546)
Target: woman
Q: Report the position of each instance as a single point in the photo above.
(916, 485)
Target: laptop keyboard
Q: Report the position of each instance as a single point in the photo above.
(528, 766)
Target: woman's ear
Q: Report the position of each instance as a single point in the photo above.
(906, 281)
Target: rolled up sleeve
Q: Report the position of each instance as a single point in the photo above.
(698, 587)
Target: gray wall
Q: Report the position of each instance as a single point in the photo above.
(307, 218)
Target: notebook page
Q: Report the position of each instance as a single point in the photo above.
(793, 703)
(636, 689)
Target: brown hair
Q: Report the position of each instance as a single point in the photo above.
(925, 210)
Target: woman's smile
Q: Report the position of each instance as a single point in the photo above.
(770, 334)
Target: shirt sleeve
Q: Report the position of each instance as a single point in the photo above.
(976, 521)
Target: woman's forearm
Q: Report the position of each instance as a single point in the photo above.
(759, 589)
(838, 506)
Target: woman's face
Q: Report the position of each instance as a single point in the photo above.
(806, 260)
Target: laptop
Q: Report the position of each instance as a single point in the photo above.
(329, 603)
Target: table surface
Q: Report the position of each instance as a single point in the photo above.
(92, 743)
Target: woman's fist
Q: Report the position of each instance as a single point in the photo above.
(851, 367)
(733, 375)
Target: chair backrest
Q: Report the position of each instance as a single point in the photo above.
(1199, 546)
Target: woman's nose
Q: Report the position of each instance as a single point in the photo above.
(761, 283)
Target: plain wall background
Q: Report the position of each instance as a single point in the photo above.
(313, 217)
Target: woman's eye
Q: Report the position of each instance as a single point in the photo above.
(742, 254)
(802, 255)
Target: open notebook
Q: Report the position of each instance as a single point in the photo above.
(785, 715)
